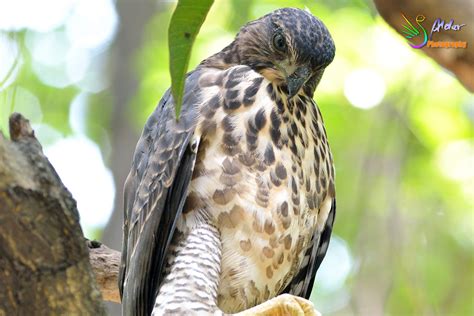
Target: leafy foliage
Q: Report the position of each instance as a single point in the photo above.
(185, 23)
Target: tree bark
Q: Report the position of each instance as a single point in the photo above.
(105, 263)
(460, 61)
(44, 262)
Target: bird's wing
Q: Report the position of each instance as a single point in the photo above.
(154, 193)
(302, 283)
(409, 30)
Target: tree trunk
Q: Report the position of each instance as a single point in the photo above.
(44, 261)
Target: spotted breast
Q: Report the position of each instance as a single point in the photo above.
(263, 176)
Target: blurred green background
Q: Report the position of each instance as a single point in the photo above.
(88, 73)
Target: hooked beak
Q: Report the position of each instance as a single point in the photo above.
(297, 79)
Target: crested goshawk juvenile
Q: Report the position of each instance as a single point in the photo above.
(233, 204)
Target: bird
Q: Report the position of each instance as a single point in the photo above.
(232, 203)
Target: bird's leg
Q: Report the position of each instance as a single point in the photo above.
(282, 305)
(190, 286)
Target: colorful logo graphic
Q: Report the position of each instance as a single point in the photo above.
(412, 31)
(418, 33)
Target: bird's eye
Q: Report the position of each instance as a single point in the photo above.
(279, 42)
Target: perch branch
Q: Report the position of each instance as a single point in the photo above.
(44, 266)
(105, 262)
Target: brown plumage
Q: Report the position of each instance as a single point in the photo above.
(234, 203)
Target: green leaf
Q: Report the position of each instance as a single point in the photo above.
(184, 27)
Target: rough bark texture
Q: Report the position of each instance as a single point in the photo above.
(105, 263)
(458, 60)
(44, 262)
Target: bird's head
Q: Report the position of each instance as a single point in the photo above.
(289, 47)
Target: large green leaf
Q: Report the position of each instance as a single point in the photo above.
(184, 27)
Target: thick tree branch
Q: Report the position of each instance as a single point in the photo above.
(460, 61)
(44, 266)
(105, 262)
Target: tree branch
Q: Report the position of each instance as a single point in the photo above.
(105, 262)
(44, 266)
